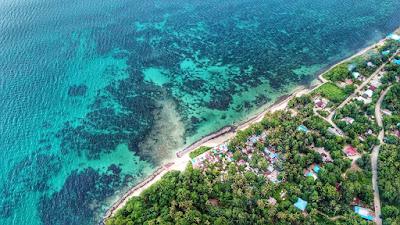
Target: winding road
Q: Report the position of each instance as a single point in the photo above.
(375, 151)
(375, 156)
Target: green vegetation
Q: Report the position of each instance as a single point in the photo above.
(392, 100)
(359, 64)
(237, 195)
(198, 151)
(332, 92)
(390, 188)
(392, 122)
(362, 127)
(391, 46)
(236, 187)
(323, 113)
(338, 73)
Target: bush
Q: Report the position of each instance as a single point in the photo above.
(338, 73)
(198, 151)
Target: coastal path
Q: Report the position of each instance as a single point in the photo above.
(375, 156)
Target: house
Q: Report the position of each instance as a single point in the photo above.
(387, 52)
(271, 155)
(397, 133)
(241, 162)
(315, 167)
(368, 94)
(363, 99)
(356, 75)
(350, 151)
(222, 148)
(348, 120)
(198, 162)
(356, 201)
(334, 131)
(326, 156)
(271, 201)
(370, 64)
(351, 67)
(349, 81)
(364, 213)
(376, 82)
(273, 177)
(300, 204)
(320, 104)
(372, 88)
(253, 139)
(396, 61)
(310, 173)
(271, 168)
(302, 128)
(394, 37)
(213, 201)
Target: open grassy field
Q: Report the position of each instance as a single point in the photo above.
(332, 92)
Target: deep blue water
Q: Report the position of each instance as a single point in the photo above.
(95, 94)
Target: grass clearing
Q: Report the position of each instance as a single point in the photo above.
(332, 92)
(198, 151)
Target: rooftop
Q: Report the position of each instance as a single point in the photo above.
(302, 128)
(300, 204)
(350, 151)
(393, 36)
(364, 213)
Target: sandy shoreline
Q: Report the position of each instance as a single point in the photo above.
(223, 135)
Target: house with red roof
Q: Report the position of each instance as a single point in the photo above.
(372, 87)
(320, 103)
(350, 151)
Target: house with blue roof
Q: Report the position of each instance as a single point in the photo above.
(301, 204)
(309, 173)
(393, 36)
(387, 52)
(270, 153)
(364, 213)
(312, 171)
(355, 75)
(302, 128)
(396, 61)
(351, 67)
(316, 168)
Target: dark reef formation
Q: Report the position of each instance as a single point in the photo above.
(77, 90)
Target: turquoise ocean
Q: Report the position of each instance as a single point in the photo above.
(94, 95)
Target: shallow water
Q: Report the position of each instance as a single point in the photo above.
(94, 95)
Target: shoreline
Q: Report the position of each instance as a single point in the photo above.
(224, 134)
